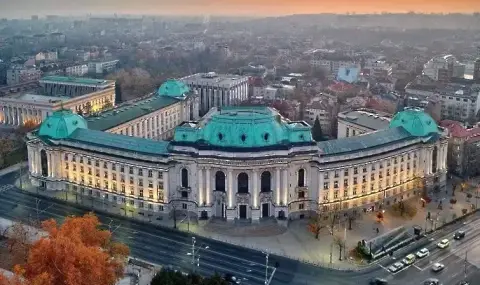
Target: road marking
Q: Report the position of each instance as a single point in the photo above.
(384, 268)
(418, 267)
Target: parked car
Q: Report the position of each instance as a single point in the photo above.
(443, 243)
(463, 283)
(459, 235)
(431, 281)
(409, 259)
(378, 281)
(422, 253)
(395, 267)
(437, 267)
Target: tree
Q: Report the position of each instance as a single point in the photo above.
(18, 242)
(173, 277)
(87, 109)
(316, 224)
(316, 130)
(338, 241)
(107, 105)
(28, 126)
(6, 147)
(75, 253)
(351, 216)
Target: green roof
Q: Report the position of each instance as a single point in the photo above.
(364, 142)
(244, 127)
(128, 112)
(173, 88)
(119, 142)
(61, 124)
(76, 80)
(416, 122)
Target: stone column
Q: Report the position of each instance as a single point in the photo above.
(277, 187)
(201, 195)
(230, 189)
(285, 187)
(255, 189)
(445, 156)
(166, 188)
(208, 189)
(320, 186)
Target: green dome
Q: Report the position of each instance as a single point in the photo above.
(173, 88)
(61, 124)
(244, 127)
(415, 121)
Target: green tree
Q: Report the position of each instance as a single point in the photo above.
(317, 133)
(173, 277)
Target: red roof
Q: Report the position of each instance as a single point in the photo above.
(457, 130)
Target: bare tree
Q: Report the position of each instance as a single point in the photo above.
(340, 242)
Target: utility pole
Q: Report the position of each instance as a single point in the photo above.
(266, 267)
(465, 269)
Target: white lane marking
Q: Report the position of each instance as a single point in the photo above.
(384, 268)
(418, 267)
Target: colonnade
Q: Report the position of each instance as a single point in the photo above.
(17, 116)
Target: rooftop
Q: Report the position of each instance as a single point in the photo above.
(129, 111)
(371, 119)
(243, 127)
(120, 142)
(363, 142)
(212, 78)
(76, 81)
(416, 122)
(35, 98)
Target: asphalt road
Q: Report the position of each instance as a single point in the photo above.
(166, 246)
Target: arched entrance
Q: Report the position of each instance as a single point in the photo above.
(242, 188)
(301, 178)
(265, 186)
(184, 178)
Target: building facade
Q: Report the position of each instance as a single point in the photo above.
(19, 74)
(361, 121)
(240, 163)
(57, 93)
(153, 117)
(217, 90)
(100, 67)
(76, 70)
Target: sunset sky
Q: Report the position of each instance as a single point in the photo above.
(25, 8)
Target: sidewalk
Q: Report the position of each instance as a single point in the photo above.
(296, 241)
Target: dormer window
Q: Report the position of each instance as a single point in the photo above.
(243, 137)
(266, 136)
(220, 136)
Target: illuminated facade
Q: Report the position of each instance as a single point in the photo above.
(240, 163)
(80, 95)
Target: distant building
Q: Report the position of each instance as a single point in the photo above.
(361, 121)
(77, 94)
(476, 69)
(100, 67)
(378, 69)
(348, 74)
(443, 68)
(332, 62)
(76, 70)
(20, 74)
(463, 148)
(218, 90)
(324, 111)
(46, 56)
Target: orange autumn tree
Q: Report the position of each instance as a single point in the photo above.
(76, 253)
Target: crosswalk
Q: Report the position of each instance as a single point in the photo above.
(7, 187)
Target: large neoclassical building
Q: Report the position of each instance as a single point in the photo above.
(240, 163)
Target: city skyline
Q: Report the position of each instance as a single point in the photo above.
(25, 8)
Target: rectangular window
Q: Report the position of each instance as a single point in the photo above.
(354, 180)
(325, 197)
(114, 167)
(160, 196)
(345, 182)
(122, 178)
(74, 167)
(81, 159)
(325, 186)
(150, 184)
(89, 161)
(372, 177)
(140, 182)
(74, 159)
(131, 180)
(132, 190)
(66, 166)
(150, 173)
(325, 175)
(114, 186)
(184, 206)
(66, 158)
(140, 172)
(105, 174)
(364, 169)
(364, 178)
(336, 174)
(131, 170)
(123, 188)
(97, 172)
(160, 186)
(160, 208)
(97, 163)
(150, 194)
(140, 192)
(114, 176)
(160, 175)
(106, 185)
(345, 172)
(105, 165)
(89, 171)
(355, 170)
(301, 206)
(335, 194)
(335, 184)
(122, 169)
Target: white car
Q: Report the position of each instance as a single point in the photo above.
(395, 267)
(422, 253)
(436, 267)
(409, 259)
(443, 243)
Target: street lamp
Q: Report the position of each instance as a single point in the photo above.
(196, 254)
(266, 267)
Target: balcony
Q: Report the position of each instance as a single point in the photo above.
(242, 198)
(301, 188)
(266, 197)
(184, 189)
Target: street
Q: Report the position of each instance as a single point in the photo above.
(165, 246)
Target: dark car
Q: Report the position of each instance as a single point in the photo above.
(459, 235)
(232, 279)
(378, 281)
(464, 283)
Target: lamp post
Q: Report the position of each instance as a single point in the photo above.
(196, 254)
(266, 267)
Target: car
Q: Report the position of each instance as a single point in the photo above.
(436, 267)
(464, 283)
(431, 281)
(231, 279)
(443, 243)
(422, 253)
(378, 281)
(409, 259)
(395, 267)
(459, 235)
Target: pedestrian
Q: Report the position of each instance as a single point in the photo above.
(378, 230)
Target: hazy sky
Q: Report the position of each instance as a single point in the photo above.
(25, 8)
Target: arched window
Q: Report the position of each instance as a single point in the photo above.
(266, 182)
(242, 183)
(44, 162)
(185, 178)
(301, 178)
(434, 159)
(219, 181)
